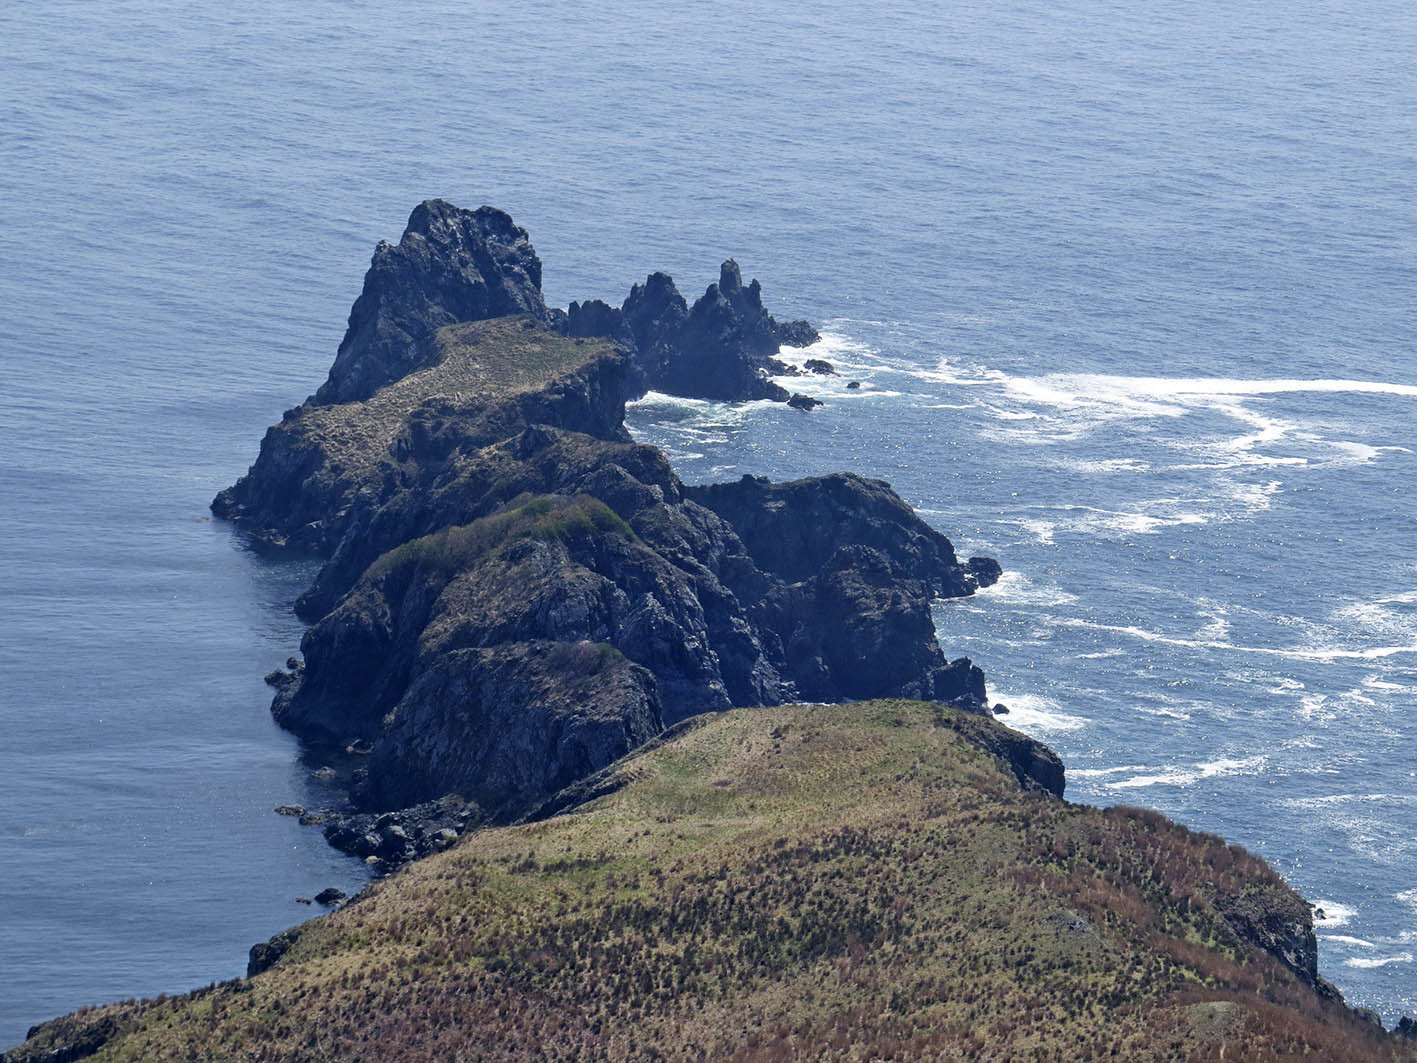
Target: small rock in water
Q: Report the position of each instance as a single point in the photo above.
(820, 366)
(803, 402)
(1320, 914)
(854, 385)
(360, 747)
(331, 897)
(303, 900)
(324, 774)
(290, 810)
(1001, 709)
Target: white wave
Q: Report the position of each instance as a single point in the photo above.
(1382, 961)
(945, 372)
(1311, 707)
(1375, 616)
(1015, 588)
(1101, 655)
(1253, 497)
(1215, 629)
(1405, 598)
(1169, 714)
(1042, 530)
(1407, 897)
(1098, 773)
(1068, 406)
(1179, 776)
(1313, 803)
(1334, 914)
(1344, 939)
(1034, 714)
(1355, 453)
(1105, 466)
(1298, 653)
(836, 347)
(1111, 523)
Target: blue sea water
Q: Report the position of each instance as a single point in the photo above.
(1130, 292)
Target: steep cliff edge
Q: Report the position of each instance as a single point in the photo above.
(866, 881)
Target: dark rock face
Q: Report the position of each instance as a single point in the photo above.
(512, 722)
(805, 403)
(595, 318)
(720, 348)
(265, 954)
(1034, 765)
(451, 265)
(797, 333)
(75, 1037)
(517, 594)
(793, 529)
(1282, 926)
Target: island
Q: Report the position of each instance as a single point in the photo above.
(650, 770)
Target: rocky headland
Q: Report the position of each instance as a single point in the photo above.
(689, 770)
(516, 593)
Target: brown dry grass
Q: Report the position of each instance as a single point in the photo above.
(810, 882)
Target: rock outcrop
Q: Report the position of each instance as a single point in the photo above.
(722, 347)
(516, 593)
(450, 266)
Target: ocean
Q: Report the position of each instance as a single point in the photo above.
(1130, 295)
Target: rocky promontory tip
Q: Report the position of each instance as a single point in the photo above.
(450, 266)
(516, 594)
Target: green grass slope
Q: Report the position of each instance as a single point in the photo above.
(853, 882)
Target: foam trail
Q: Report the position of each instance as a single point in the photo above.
(1370, 654)
(1344, 939)
(1079, 388)
(1383, 961)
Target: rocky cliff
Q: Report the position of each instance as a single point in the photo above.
(516, 593)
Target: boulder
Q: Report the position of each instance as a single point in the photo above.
(805, 403)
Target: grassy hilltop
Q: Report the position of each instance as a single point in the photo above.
(863, 881)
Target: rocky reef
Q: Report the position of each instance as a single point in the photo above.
(517, 594)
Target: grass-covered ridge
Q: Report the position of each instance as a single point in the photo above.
(811, 882)
(478, 365)
(545, 517)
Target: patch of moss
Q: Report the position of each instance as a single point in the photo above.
(546, 517)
